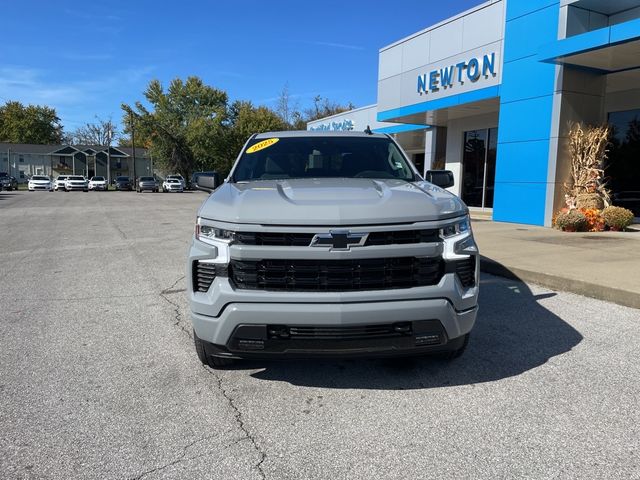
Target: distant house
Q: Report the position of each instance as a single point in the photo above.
(23, 160)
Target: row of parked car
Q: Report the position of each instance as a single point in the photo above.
(7, 182)
(172, 183)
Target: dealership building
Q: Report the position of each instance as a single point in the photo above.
(492, 92)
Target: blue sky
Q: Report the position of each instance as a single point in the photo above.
(85, 58)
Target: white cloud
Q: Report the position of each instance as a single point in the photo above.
(73, 99)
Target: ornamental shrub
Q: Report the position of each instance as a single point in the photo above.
(595, 221)
(617, 218)
(571, 221)
(589, 201)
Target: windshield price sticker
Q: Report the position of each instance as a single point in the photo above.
(262, 145)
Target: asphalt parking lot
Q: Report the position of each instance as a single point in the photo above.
(99, 379)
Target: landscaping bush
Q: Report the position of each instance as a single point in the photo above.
(571, 221)
(617, 218)
(595, 221)
(589, 201)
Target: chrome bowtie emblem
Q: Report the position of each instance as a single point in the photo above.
(339, 239)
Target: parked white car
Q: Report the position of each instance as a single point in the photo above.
(58, 183)
(98, 183)
(180, 178)
(172, 185)
(76, 182)
(40, 182)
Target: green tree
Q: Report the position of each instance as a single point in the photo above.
(294, 118)
(31, 124)
(245, 120)
(323, 107)
(185, 129)
(103, 132)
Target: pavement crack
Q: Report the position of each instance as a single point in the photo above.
(173, 286)
(176, 307)
(181, 458)
(240, 422)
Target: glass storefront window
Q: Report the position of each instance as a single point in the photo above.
(479, 167)
(623, 165)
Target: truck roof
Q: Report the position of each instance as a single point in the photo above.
(317, 133)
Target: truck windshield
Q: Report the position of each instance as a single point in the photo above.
(322, 156)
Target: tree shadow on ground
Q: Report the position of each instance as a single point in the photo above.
(513, 334)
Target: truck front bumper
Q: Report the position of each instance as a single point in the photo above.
(264, 330)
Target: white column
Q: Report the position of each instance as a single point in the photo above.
(430, 136)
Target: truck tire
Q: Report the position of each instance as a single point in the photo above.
(213, 362)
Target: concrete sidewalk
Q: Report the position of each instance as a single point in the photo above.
(603, 265)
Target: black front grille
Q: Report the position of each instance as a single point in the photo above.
(466, 271)
(274, 239)
(402, 237)
(284, 239)
(336, 275)
(350, 332)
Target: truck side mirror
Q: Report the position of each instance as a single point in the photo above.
(441, 178)
(206, 182)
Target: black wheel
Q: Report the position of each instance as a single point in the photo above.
(85, 190)
(457, 352)
(213, 362)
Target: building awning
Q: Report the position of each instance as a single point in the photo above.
(606, 50)
(438, 112)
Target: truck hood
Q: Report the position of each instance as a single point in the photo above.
(331, 202)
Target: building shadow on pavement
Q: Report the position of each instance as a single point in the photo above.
(513, 334)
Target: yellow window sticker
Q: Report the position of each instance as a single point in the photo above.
(262, 145)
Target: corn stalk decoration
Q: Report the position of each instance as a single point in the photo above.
(588, 149)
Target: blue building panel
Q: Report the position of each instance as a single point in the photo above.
(535, 79)
(400, 128)
(446, 102)
(624, 32)
(525, 120)
(526, 109)
(577, 44)
(518, 8)
(521, 162)
(524, 35)
(520, 203)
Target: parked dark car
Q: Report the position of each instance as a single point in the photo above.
(147, 183)
(123, 183)
(8, 182)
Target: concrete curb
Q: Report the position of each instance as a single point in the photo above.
(601, 292)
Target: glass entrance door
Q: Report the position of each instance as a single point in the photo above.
(479, 167)
(623, 165)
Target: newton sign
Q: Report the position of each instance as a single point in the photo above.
(459, 73)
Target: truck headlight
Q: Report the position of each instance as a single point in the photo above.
(457, 228)
(210, 234)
